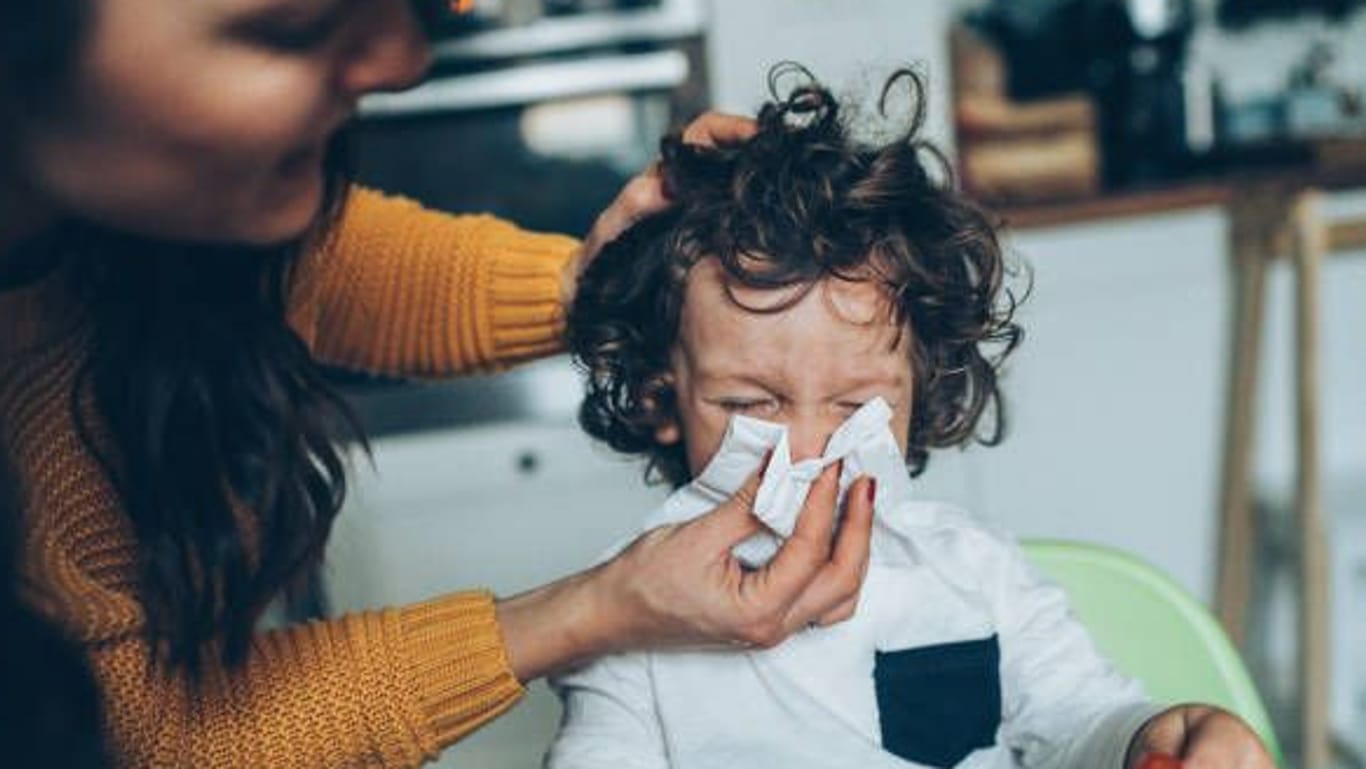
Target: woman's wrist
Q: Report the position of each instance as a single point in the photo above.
(556, 626)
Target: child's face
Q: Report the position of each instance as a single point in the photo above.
(809, 366)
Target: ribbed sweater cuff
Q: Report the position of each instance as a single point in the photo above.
(459, 662)
(526, 312)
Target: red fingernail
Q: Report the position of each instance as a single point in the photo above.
(1159, 761)
(872, 490)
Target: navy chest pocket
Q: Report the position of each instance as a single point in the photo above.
(937, 704)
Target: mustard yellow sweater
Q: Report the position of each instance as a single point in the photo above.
(399, 290)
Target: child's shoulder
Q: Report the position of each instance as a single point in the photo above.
(945, 522)
(945, 536)
(939, 574)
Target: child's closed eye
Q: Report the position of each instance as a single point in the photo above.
(750, 406)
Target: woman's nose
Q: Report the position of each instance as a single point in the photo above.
(390, 51)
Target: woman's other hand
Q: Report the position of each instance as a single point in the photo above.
(645, 194)
(680, 586)
(1198, 736)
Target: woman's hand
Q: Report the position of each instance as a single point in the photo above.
(1198, 736)
(645, 194)
(680, 586)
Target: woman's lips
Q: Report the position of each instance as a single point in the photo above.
(310, 157)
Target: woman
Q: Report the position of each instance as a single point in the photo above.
(177, 254)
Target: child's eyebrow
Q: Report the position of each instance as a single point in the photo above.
(844, 386)
(879, 381)
(736, 377)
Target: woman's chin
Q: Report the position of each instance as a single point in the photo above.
(285, 218)
(292, 201)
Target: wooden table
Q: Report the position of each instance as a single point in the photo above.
(1271, 214)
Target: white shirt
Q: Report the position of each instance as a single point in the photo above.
(959, 654)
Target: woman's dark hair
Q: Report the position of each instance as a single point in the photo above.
(50, 713)
(38, 46)
(801, 201)
(213, 421)
(215, 424)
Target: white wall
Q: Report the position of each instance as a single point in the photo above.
(1117, 391)
(850, 46)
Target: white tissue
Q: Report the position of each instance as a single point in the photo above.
(865, 442)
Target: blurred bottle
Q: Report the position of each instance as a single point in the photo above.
(1136, 71)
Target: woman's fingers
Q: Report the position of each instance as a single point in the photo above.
(856, 527)
(680, 584)
(734, 520)
(645, 194)
(833, 595)
(642, 196)
(717, 128)
(809, 581)
(803, 554)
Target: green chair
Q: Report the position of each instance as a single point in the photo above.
(1154, 630)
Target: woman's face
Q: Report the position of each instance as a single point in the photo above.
(208, 120)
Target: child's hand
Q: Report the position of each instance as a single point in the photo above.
(1197, 737)
(1159, 761)
(645, 194)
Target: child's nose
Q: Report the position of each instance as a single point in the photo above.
(808, 435)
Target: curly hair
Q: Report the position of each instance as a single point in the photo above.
(801, 201)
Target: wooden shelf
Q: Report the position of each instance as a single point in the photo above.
(1112, 206)
(1340, 165)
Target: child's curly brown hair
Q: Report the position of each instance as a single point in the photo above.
(801, 201)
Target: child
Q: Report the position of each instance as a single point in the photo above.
(818, 301)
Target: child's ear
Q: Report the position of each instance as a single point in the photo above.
(662, 402)
(667, 432)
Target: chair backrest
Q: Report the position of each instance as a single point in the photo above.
(1154, 630)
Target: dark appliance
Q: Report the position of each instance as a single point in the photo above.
(537, 111)
(1129, 55)
(1135, 72)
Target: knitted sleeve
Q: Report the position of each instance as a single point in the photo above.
(380, 689)
(383, 688)
(406, 291)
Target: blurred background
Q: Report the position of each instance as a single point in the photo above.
(1158, 163)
